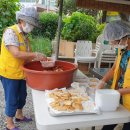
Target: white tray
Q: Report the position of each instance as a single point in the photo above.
(88, 108)
(52, 113)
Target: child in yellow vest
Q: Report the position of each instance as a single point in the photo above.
(118, 35)
(15, 51)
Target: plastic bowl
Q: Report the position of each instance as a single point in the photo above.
(40, 79)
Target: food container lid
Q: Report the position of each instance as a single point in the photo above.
(107, 92)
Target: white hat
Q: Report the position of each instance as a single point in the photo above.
(29, 15)
(116, 30)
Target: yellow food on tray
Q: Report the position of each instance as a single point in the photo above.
(93, 80)
(67, 100)
(93, 86)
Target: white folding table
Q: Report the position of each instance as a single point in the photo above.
(44, 121)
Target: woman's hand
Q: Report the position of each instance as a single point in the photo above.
(101, 84)
(120, 91)
(124, 91)
(40, 56)
(49, 59)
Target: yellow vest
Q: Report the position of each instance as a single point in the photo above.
(126, 84)
(10, 67)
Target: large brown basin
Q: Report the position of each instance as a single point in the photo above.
(38, 78)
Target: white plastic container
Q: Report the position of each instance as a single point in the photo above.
(107, 99)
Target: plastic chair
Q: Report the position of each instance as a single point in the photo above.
(107, 56)
(100, 39)
(85, 54)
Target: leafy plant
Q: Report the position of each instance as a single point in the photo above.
(99, 29)
(40, 44)
(49, 24)
(8, 9)
(79, 26)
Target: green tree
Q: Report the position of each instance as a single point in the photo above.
(69, 6)
(92, 12)
(8, 9)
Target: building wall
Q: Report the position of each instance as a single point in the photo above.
(27, 2)
(48, 4)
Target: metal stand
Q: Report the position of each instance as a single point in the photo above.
(59, 28)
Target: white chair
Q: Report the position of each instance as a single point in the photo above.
(100, 39)
(85, 54)
(107, 56)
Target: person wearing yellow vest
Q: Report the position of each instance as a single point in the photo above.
(15, 51)
(118, 35)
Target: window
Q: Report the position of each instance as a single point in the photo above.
(27, 0)
(43, 2)
(52, 3)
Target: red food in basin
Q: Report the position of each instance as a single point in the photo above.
(40, 78)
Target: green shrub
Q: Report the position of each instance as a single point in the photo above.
(40, 44)
(79, 26)
(99, 29)
(8, 9)
(49, 24)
